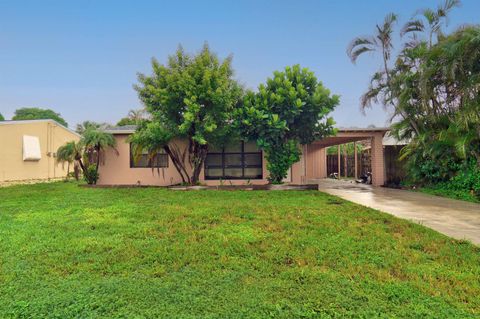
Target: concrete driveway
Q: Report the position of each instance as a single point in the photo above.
(457, 219)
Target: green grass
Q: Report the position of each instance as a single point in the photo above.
(449, 193)
(73, 252)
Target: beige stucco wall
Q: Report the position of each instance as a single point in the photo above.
(51, 136)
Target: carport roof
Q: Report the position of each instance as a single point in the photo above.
(348, 135)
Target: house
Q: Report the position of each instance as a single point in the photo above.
(242, 163)
(27, 149)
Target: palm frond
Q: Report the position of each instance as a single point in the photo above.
(412, 26)
(360, 45)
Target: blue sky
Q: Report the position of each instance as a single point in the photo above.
(81, 58)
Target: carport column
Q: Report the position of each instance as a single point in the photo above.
(355, 161)
(378, 164)
(339, 162)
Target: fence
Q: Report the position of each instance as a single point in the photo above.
(394, 169)
(348, 163)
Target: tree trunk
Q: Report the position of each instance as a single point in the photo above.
(97, 148)
(178, 163)
(197, 155)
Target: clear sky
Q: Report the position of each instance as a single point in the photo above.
(81, 58)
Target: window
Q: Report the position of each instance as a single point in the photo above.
(237, 161)
(159, 160)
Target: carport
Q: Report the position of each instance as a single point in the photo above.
(315, 159)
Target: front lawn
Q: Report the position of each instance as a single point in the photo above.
(72, 252)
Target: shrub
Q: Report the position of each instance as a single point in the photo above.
(91, 175)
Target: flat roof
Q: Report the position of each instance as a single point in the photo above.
(363, 129)
(13, 122)
(126, 129)
(130, 129)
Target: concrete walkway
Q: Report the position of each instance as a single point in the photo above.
(457, 219)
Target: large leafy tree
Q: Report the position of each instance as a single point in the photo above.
(35, 113)
(1, 117)
(191, 98)
(288, 111)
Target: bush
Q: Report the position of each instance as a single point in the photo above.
(468, 178)
(91, 175)
(464, 185)
(280, 158)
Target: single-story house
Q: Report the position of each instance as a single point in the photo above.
(239, 164)
(28, 149)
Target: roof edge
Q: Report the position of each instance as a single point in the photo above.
(12, 122)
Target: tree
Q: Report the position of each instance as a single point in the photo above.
(192, 98)
(87, 153)
(1, 117)
(433, 86)
(288, 111)
(85, 125)
(35, 113)
(96, 142)
(134, 117)
(71, 153)
(435, 20)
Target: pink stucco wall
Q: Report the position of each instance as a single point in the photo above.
(116, 170)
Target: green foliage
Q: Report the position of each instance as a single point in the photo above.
(280, 158)
(94, 139)
(465, 184)
(85, 125)
(87, 153)
(433, 89)
(288, 111)
(1, 117)
(35, 113)
(76, 252)
(70, 153)
(134, 117)
(191, 97)
(348, 147)
(127, 121)
(91, 174)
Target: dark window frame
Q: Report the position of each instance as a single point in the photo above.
(242, 166)
(133, 165)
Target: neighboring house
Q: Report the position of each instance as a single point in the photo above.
(28, 149)
(239, 164)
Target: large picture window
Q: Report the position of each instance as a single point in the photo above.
(144, 161)
(242, 160)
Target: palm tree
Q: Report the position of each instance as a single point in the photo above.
(136, 115)
(85, 125)
(380, 42)
(435, 20)
(96, 141)
(71, 153)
